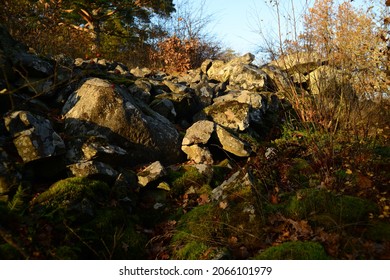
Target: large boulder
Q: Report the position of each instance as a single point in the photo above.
(101, 108)
(300, 62)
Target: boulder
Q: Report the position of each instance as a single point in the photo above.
(300, 62)
(34, 136)
(199, 133)
(229, 114)
(240, 73)
(330, 82)
(231, 143)
(101, 108)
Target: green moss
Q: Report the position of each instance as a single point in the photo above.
(191, 251)
(300, 172)
(199, 226)
(294, 250)
(185, 178)
(73, 195)
(310, 203)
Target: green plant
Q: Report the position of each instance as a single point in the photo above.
(296, 250)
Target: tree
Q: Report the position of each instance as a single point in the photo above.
(101, 21)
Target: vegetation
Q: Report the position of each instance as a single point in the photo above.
(315, 187)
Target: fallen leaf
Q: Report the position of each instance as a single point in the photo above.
(223, 205)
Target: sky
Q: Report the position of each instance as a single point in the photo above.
(236, 22)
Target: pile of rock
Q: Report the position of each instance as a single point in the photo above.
(96, 118)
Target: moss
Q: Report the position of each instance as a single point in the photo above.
(294, 250)
(200, 226)
(300, 172)
(191, 251)
(73, 195)
(185, 178)
(310, 203)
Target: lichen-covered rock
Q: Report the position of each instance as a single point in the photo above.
(94, 170)
(230, 114)
(240, 73)
(231, 143)
(99, 107)
(151, 173)
(34, 136)
(199, 133)
(98, 148)
(301, 62)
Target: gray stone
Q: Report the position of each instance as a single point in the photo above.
(175, 87)
(199, 133)
(151, 173)
(301, 62)
(99, 107)
(230, 114)
(231, 143)
(164, 107)
(99, 149)
(94, 170)
(34, 136)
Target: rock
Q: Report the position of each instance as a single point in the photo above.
(94, 170)
(249, 77)
(151, 173)
(279, 80)
(97, 148)
(199, 133)
(34, 136)
(301, 62)
(141, 72)
(198, 154)
(240, 73)
(141, 89)
(101, 108)
(204, 93)
(175, 87)
(231, 143)
(229, 114)
(164, 107)
(330, 82)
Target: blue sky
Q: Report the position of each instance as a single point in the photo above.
(234, 22)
